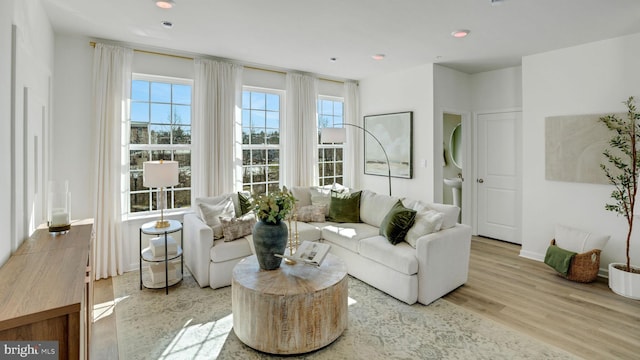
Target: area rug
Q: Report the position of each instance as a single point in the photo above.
(195, 323)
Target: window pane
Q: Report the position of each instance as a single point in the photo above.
(273, 136)
(181, 198)
(273, 102)
(258, 101)
(160, 92)
(182, 114)
(246, 157)
(258, 174)
(273, 119)
(274, 156)
(140, 90)
(258, 157)
(258, 119)
(257, 137)
(161, 113)
(246, 175)
(139, 201)
(160, 134)
(339, 154)
(259, 189)
(139, 133)
(328, 169)
(139, 112)
(273, 173)
(161, 155)
(135, 180)
(181, 94)
(246, 99)
(136, 158)
(182, 135)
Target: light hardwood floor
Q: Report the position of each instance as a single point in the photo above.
(588, 320)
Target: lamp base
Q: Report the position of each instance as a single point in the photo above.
(160, 224)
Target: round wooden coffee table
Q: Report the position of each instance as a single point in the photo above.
(291, 310)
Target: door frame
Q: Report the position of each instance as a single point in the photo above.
(474, 183)
(467, 167)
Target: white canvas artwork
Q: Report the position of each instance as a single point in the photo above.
(395, 135)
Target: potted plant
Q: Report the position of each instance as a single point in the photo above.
(270, 234)
(624, 279)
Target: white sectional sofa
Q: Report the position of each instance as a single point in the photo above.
(437, 264)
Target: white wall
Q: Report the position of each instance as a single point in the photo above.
(6, 12)
(408, 90)
(33, 70)
(588, 79)
(72, 149)
(497, 90)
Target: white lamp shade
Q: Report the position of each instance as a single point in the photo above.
(333, 135)
(160, 173)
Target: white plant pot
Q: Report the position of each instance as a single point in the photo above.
(624, 283)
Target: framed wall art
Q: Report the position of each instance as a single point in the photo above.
(394, 132)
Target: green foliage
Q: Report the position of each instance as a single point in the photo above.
(624, 163)
(273, 207)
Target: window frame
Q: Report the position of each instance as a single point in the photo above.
(266, 146)
(321, 147)
(150, 148)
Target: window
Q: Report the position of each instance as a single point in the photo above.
(260, 140)
(160, 129)
(330, 156)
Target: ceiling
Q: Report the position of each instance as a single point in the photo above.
(304, 34)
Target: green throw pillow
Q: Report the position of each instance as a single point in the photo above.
(245, 203)
(397, 223)
(344, 207)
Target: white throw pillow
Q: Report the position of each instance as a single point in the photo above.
(450, 213)
(374, 207)
(211, 213)
(578, 241)
(427, 222)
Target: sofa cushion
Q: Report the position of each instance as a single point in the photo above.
(211, 211)
(344, 207)
(311, 213)
(400, 257)
(348, 235)
(222, 251)
(235, 228)
(577, 240)
(302, 195)
(374, 207)
(427, 222)
(397, 222)
(307, 231)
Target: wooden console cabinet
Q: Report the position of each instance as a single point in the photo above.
(46, 290)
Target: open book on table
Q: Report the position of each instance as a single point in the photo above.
(309, 252)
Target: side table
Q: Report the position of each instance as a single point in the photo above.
(146, 254)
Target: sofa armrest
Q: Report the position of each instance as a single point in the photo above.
(443, 262)
(198, 238)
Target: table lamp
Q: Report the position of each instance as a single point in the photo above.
(160, 174)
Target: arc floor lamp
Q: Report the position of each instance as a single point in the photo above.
(338, 135)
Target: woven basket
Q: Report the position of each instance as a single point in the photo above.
(584, 267)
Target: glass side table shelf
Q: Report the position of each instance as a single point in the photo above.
(146, 255)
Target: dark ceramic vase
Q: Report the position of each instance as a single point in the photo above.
(270, 239)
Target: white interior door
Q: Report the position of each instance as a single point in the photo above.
(498, 189)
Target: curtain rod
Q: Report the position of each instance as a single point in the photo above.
(93, 45)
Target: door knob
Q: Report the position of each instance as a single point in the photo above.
(480, 181)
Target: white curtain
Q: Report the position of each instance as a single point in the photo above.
(216, 94)
(300, 130)
(111, 84)
(352, 145)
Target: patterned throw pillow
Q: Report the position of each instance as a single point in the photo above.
(312, 213)
(244, 199)
(236, 228)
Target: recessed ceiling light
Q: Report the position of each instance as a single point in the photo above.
(496, 2)
(460, 33)
(378, 57)
(164, 4)
(166, 24)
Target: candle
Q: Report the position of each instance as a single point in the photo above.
(59, 217)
